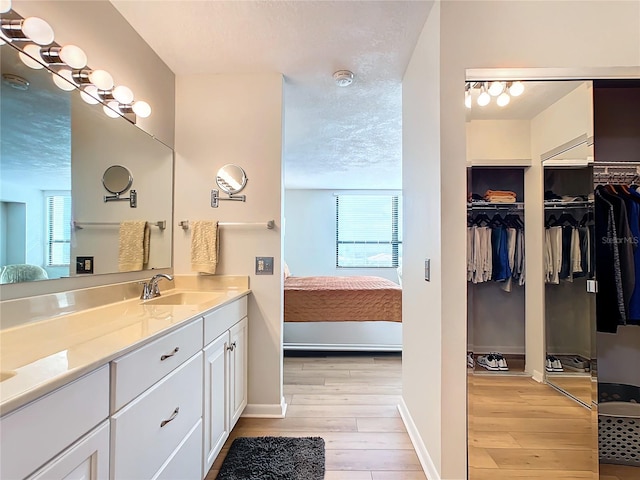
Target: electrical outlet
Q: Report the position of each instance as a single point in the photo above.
(264, 265)
(84, 265)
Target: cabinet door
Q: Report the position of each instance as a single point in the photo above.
(87, 459)
(238, 370)
(216, 398)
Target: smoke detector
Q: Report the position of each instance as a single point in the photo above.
(15, 81)
(343, 78)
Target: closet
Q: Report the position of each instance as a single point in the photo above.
(495, 270)
(569, 266)
(616, 174)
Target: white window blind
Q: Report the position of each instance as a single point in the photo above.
(58, 227)
(368, 231)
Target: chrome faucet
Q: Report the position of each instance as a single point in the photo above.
(151, 289)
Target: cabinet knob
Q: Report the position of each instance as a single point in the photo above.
(173, 415)
(169, 355)
(232, 347)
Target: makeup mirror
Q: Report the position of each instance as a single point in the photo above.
(117, 179)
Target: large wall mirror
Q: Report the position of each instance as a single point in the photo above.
(54, 151)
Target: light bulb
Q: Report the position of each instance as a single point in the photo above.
(37, 30)
(123, 94)
(467, 99)
(90, 94)
(64, 80)
(5, 6)
(484, 98)
(142, 109)
(516, 89)
(111, 109)
(503, 99)
(101, 79)
(31, 52)
(73, 56)
(496, 88)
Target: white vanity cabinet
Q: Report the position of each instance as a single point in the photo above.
(225, 375)
(66, 420)
(160, 429)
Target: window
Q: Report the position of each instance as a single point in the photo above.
(58, 229)
(368, 231)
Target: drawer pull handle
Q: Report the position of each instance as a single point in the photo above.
(173, 415)
(169, 355)
(232, 347)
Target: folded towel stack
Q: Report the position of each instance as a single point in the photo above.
(205, 245)
(500, 196)
(133, 251)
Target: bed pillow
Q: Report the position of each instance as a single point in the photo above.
(287, 273)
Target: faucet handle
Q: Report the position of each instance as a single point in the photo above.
(146, 290)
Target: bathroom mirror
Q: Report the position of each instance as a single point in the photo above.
(54, 151)
(117, 179)
(231, 179)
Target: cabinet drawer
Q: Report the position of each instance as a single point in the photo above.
(133, 373)
(148, 430)
(185, 462)
(40, 430)
(221, 320)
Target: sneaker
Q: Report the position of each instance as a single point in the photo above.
(548, 365)
(554, 362)
(490, 362)
(574, 363)
(470, 362)
(502, 363)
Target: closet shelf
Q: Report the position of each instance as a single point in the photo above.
(495, 206)
(564, 205)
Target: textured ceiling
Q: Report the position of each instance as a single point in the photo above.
(334, 137)
(35, 128)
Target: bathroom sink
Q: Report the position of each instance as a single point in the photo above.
(6, 375)
(184, 298)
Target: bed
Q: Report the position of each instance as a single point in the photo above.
(342, 313)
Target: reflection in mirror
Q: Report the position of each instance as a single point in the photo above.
(54, 150)
(117, 179)
(231, 179)
(514, 423)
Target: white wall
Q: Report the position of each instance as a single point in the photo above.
(459, 35)
(237, 119)
(310, 236)
(492, 140)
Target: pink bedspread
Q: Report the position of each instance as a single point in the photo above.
(340, 299)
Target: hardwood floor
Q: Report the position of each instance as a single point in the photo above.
(350, 401)
(518, 429)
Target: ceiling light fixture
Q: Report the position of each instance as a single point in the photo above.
(500, 89)
(343, 78)
(515, 88)
(496, 88)
(68, 65)
(484, 98)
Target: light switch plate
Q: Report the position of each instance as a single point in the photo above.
(264, 265)
(427, 269)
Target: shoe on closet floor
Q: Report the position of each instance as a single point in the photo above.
(470, 362)
(574, 363)
(490, 362)
(502, 363)
(553, 364)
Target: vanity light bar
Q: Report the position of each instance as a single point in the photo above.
(40, 50)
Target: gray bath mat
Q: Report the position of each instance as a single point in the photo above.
(274, 458)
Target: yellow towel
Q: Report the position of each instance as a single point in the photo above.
(134, 237)
(205, 245)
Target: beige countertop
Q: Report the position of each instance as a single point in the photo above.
(38, 357)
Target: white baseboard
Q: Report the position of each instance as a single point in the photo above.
(254, 410)
(538, 376)
(423, 455)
